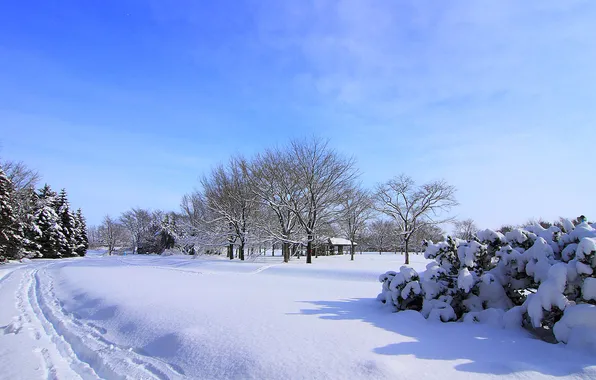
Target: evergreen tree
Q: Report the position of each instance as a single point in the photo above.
(31, 232)
(47, 196)
(151, 240)
(67, 222)
(52, 239)
(81, 234)
(168, 233)
(11, 233)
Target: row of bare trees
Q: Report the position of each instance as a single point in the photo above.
(302, 192)
(137, 230)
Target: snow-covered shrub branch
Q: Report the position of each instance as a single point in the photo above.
(543, 279)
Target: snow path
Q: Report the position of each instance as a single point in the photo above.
(36, 345)
(148, 317)
(78, 349)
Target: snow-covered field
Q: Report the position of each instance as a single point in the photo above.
(145, 317)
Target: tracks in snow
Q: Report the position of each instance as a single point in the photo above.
(82, 346)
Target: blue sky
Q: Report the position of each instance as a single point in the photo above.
(127, 103)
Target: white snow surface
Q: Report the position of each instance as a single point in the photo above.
(465, 280)
(586, 247)
(589, 289)
(489, 235)
(577, 328)
(174, 317)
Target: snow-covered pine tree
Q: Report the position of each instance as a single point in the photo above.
(52, 239)
(47, 196)
(168, 233)
(31, 232)
(81, 234)
(11, 234)
(67, 223)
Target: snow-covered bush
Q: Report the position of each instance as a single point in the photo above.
(401, 289)
(543, 279)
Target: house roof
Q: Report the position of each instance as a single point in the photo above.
(340, 241)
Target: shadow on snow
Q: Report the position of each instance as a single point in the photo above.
(489, 349)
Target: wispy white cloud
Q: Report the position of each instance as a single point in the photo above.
(494, 96)
(396, 57)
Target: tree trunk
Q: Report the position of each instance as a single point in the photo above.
(231, 251)
(273, 250)
(352, 252)
(241, 251)
(407, 253)
(285, 251)
(309, 250)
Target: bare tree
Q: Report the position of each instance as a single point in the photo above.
(137, 221)
(464, 229)
(112, 233)
(20, 175)
(324, 177)
(413, 206)
(94, 236)
(428, 232)
(23, 181)
(274, 183)
(381, 234)
(355, 211)
(201, 226)
(229, 197)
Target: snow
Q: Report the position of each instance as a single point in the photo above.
(492, 293)
(438, 310)
(516, 235)
(465, 280)
(512, 319)
(582, 268)
(153, 317)
(492, 316)
(489, 235)
(568, 225)
(582, 231)
(549, 294)
(540, 257)
(585, 248)
(568, 252)
(340, 241)
(411, 288)
(467, 253)
(577, 328)
(589, 289)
